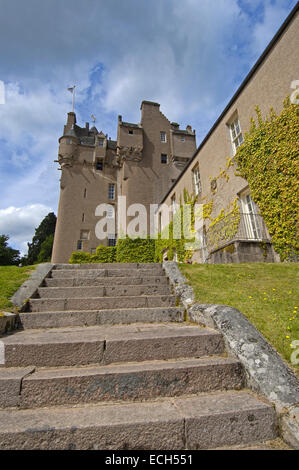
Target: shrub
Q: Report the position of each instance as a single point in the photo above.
(105, 254)
(135, 250)
(80, 257)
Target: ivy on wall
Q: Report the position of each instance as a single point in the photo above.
(268, 160)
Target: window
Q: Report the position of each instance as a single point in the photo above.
(163, 136)
(69, 141)
(111, 191)
(101, 142)
(79, 245)
(111, 240)
(99, 165)
(83, 217)
(196, 181)
(236, 134)
(250, 216)
(84, 235)
(182, 139)
(130, 132)
(163, 158)
(84, 194)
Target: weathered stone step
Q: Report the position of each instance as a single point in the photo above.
(111, 272)
(100, 291)
(200, 422)
(130, 381)
(106, 345)
(94, 303)
(107, 266)
(106, 281)
(100, 317)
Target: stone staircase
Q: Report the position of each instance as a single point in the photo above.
(103, 359)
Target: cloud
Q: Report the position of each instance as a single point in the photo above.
(20, 223)
(190, 56)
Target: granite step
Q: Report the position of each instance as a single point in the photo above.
(106, 281)
(109, 344)
(94, 303)
(198, 422)
(84, 266)
(129, 381)
(100, 291)
(111, 272)
(63, 318)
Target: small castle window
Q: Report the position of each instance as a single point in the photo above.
(85, 193)
(79, 245)
(111, 191)
(182, 139)
(68, 141)
(163, 136)
(101, 142)
(99, 165)
(83, 217)
(196, 180)
(130, 132)
(84, 235)
(163, 158)
(236, 134)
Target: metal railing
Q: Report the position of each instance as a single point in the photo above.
(236, 227)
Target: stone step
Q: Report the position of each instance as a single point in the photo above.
(84, 266)
(111, 272)
(95, 303)
(129, 381)
(106, 281)
(197, 422)
(100, 291)
(109, 344)
(100, 317)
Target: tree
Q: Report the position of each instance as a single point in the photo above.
(46, 250)
(46, 228)
(8, 256)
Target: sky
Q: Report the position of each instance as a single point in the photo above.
(188, 55)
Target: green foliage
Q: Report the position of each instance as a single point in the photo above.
(168, 240)
(80, 257)
(135, 250)
(8, 256)
(106, 254)
(11, 278)
(268, 160)
(46, 249)
(46, 228)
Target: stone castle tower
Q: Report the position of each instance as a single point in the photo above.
(142, 165)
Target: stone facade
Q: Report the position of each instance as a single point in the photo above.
(96, 170)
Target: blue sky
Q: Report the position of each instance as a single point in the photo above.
(189, 55)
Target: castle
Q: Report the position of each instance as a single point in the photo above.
(142, 164)
(155, 161)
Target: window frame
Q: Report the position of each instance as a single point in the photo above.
(196, 181)
(166, 159)
(164, 139)
(111, 185)
(235, 136)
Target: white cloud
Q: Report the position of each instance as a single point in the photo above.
(20, 223)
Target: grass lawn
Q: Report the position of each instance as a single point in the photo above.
(11, 278)
(266, 293)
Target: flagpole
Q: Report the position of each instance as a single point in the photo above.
(73, 103)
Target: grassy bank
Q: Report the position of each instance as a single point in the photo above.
(266, 293)
(11, 278)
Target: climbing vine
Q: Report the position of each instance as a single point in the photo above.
(268, 160)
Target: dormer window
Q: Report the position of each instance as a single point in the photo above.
(101, 142)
